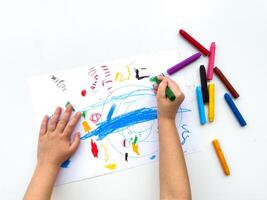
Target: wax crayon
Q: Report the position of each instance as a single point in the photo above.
(211, 61)
(200, 103)
(194, 42)
(204, 86)
(169, 93)
(221, 157)
(225, 81)
(211, 107)
(235, 110)
(183, 64)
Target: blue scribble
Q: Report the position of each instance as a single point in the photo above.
(122, 121)
(184, 134)
(113, 99)
(65, 164)
(152, 157)
(111, 111)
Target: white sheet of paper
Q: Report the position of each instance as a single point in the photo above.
(120, 110)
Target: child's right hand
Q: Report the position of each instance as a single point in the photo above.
(54, 146)
(167, 109)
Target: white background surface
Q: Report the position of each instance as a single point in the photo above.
(42, 36)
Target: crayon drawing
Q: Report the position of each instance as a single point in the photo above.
(127, 123)
(118, 127)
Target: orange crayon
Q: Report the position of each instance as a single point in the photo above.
(221, 157)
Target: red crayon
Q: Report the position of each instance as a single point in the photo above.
(225, 81)
(195, 43)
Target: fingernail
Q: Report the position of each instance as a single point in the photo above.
(69, 106)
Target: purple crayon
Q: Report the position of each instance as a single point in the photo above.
(184, 63)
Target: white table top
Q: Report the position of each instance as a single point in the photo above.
(42, 36)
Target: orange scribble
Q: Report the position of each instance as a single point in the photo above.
(86, 127)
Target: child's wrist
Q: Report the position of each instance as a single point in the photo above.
(52, 168)
(46, 173)
(166, 119)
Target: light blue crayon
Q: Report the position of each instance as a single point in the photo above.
(200, 103)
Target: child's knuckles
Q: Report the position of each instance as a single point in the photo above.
(62, 123)
(69, 129)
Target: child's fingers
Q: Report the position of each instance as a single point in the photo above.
(162, 88)
(174, 86)
(54, 119)
(75, 144)
(176, 89)
(72, 123)
(160, 77)
(44, 123)
(65, 118)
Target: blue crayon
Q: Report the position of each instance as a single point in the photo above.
(200, 103)
(235, 110)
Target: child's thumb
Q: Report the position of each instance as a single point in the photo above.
(162, 88)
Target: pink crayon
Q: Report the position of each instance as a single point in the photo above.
(211, 61)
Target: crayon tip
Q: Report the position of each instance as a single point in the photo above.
(181, 31)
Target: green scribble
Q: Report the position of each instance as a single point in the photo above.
(84, 114)
(67, 104)
(135, 139)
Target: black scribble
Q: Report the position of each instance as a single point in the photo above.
(60, 83)
(137, 75)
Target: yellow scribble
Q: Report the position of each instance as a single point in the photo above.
(119, 76)
(135, 149)
(112, 166)
(106, 154)
(129, 72)
(86, 127)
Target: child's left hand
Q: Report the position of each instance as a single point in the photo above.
(54, 146)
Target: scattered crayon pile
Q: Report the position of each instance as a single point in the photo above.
(205, 92)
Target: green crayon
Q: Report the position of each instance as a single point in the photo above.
(169, 92)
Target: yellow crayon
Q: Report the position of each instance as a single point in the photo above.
(211, 110)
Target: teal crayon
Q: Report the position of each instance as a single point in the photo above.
(169, 93)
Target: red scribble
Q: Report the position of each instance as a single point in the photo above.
(107, 81)
(124, 143)
(83, 93)
(93, 73)
(95, 117)
(103, 77)
(94, 149)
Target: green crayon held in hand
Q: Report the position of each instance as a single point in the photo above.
(169, 92)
